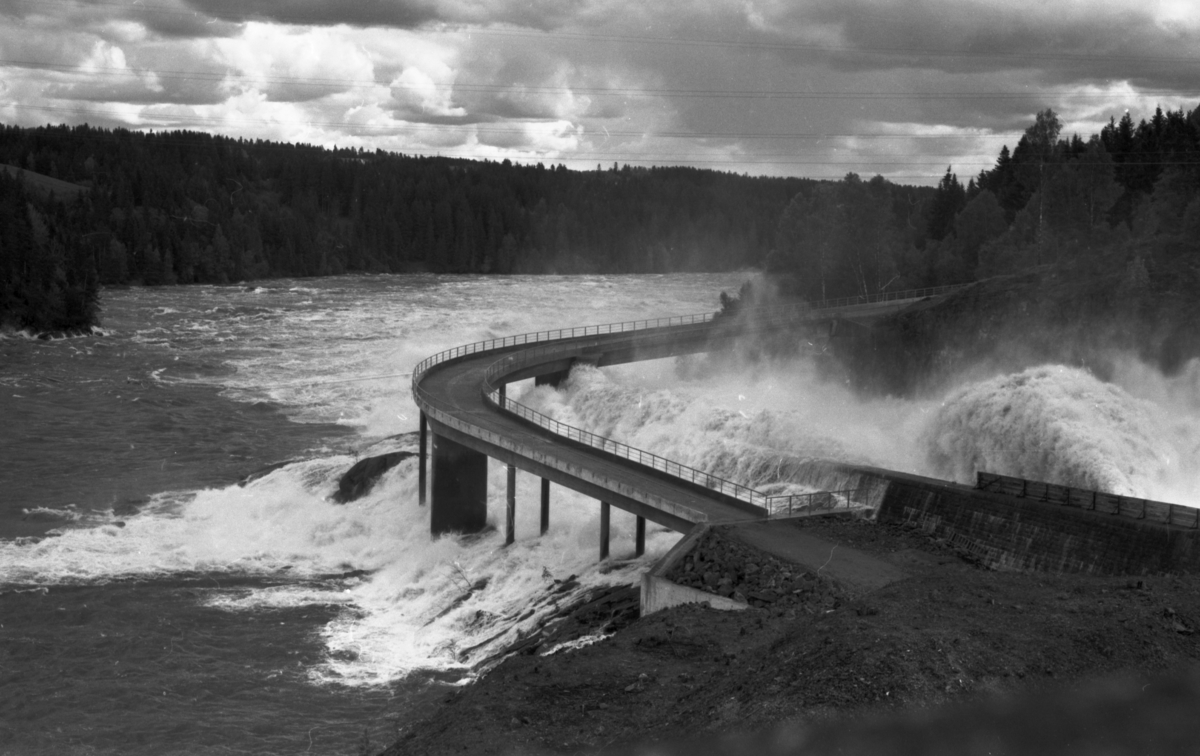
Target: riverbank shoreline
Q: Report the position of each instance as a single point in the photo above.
(951, 633)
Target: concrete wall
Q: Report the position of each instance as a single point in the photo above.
(658, 593)
(1010, 532)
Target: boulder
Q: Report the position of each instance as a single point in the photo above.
(360, 478)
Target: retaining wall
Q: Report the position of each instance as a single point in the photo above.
(1011, 532)
(659, 593)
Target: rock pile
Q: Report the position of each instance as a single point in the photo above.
(360, 479)
(726, 567)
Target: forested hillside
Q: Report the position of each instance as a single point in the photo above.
(48, 279)
(1122, 201)
(187, 207)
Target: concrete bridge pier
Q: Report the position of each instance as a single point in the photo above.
(421, 455)
(510, 511)
(640, 537)
(459, 501)
(545, 505)
(604, 528)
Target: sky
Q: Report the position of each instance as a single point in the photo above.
(816, 88)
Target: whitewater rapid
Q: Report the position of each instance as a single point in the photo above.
(340, 350)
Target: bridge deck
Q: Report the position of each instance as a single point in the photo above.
(455, 388)
(451, 393)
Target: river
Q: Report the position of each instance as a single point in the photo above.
(149, 604)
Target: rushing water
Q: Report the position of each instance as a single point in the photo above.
(151, 605)
(148, 604)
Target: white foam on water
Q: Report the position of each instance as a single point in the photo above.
(277, 523)
(415, 609)
(325, 356)
(1050, 423)
(338, 352)
(68, 513)
(1138, 436)
(755, 430)
(423, 610)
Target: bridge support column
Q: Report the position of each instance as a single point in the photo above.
(604, 520)
(421, 456)
(640, 538)
(459, 501)
(545, 505)
(510, 512)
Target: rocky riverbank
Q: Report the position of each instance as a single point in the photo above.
(731, 569)
(817, 657)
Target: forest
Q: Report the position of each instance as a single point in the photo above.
(83, 207)
(1121, 201)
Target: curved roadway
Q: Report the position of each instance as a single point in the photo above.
(453, 394)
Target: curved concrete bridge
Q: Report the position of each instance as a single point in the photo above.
(462, 398)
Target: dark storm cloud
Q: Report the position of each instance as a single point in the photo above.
(401, 14)
(407, 14)
(1065, 44)
(171, 19)
(185, 25)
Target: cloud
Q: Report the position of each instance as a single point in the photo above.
(398, 14)
(405, 14)
(293, 64)
(415, 92)
(778, 87)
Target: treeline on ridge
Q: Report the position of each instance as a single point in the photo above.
(1124, 202)
(188, 207)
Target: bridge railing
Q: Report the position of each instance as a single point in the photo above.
(1095, 501)
(610, 484)
(633, 454)
(817, 502)
(536, 337)
(818, 307)
(507, 365)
